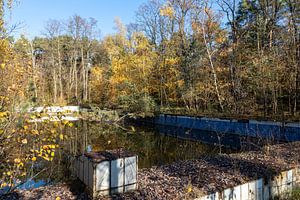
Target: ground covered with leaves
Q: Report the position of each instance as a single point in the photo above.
(191, 178)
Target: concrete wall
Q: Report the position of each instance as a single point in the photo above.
(55, 113)
(264, 129)
(261, 189)
(54, 109)
(109, 176)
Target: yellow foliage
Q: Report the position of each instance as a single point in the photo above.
(220, 39)
(24, 141)
(20, 164)
(4, 184)
(16, 76)
(131, 71)
(3, 114)
(167, 11)
(35, 132)
(98, 84)
(5, 52)
(65, 122)
(55, 124)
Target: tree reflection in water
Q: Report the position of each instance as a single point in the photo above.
(153, 148)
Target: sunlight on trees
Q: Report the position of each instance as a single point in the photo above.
(178, 56)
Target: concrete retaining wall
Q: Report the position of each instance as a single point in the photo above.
(108, 176)
(264, 129)
(261, 189)
(55, 113)
(54, 109)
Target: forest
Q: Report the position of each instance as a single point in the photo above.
(227, 58)
(191, 56)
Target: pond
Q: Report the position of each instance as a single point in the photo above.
(153, 147)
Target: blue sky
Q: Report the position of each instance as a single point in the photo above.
(35, 13)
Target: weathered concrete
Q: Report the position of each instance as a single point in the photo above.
(260, 189)
(55, 113)
(108, 172)
(287, 132)
(54, 109)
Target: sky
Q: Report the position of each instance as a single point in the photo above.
(33, 14)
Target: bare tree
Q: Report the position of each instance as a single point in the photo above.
(53, 31)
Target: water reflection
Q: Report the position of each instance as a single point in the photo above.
(152, 147)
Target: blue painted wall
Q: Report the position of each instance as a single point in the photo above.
(264, 129)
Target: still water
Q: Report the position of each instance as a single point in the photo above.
(153, 148)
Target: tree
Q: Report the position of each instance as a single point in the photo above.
(155, 26)
(132, 62)
(211, 35)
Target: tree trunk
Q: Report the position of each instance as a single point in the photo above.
(215, 78)
(60, 71)
(54, 79)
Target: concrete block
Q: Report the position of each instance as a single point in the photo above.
(228, 194)
(259, 188)
(117, 173)
(102, 176)
(237, 193)
(108, 172)
(275, 186)
(213, 196)
(289, 180)
(245, 191)
(266, 191)
(131, 170)
(252, 190)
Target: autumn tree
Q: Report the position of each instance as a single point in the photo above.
(132, 62)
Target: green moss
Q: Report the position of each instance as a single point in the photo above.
(293, 195)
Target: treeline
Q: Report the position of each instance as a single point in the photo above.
(229, 56)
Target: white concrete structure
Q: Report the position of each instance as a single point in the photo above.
(261, 189)
(55, 119)
(55, 113)
(54, 109)
(108, 175)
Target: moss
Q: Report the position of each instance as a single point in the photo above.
(293, 195)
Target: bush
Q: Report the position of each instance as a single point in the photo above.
(137, 103)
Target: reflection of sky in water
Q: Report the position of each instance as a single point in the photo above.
(32, 184)
(153, 147)
(29, 184)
